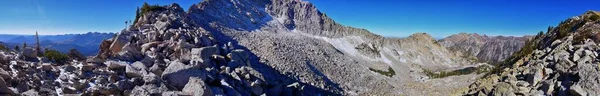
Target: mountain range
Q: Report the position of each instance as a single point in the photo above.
(290, 48)
(87, 43)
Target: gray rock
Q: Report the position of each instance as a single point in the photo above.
(503, 89)
(203, 55)
(125, 85)
(229, 90)
(175, 93)
(238, 56)
(256, 87)
(115, 65)
(29, 52)
(178, 74)
(535, 76)
(547, 87)
(137, 69)
(576, 90)
(31, 92)
(196, 87)
(148, 89)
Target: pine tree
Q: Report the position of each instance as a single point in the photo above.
(17, 48)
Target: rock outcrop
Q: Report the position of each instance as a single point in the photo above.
(490, 49)
(561, 62)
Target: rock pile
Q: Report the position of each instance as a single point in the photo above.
(562, 69)
(160, 55)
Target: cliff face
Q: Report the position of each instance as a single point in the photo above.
(490, 49)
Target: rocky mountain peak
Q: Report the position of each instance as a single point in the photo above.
(421, 37)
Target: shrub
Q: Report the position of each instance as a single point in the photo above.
(145, 9)
(390, 72)
(56, 56)
(579, 38)
(464, 71)
(3, 48)
(594, 17)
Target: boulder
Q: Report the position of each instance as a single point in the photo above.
(115, 65)
(178, 74)
(238, 56)
(504, 89)
(148, 90)
(535, 76)
(256, 88)
(229, 90)
(197, 87)
(576, 90)
(130, 53)
(29, 53)
(119, 42)
(4, 87)
(137, 69)
(203, 55)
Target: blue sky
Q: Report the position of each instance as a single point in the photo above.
(398, 18)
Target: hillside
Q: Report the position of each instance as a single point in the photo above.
(298, 46)
(563, 61)
(489, 49)
(87, 43)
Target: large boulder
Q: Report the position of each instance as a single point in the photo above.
(29, 53)
(119, 42)
(238, 57)
(197, 87)
(130, 53)
(135, 70)
(178, 74)
(4, 87)
(202, 56)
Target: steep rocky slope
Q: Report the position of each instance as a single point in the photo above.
(289, 43)
(490, 49)
(562, 62)
(243, 48)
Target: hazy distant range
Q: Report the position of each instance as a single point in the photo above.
(86, 43)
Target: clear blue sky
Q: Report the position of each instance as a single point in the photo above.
(397, 18)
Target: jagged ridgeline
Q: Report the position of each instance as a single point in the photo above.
(562, 61)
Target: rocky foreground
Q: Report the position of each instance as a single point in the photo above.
(562, 62)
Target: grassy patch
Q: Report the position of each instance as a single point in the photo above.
(390, 72)
(464, 71)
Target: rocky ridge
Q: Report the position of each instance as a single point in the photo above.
(490, 49)
(563, 62)
(242, 48)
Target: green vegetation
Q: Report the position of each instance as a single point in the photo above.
(464, 71)
(56, 56)
(594, 17)
(390, 72)
(17, 48)
(145, 9)
(4, 48)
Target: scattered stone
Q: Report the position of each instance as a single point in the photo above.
(177, 74)
(196, 87)
(576, 90)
